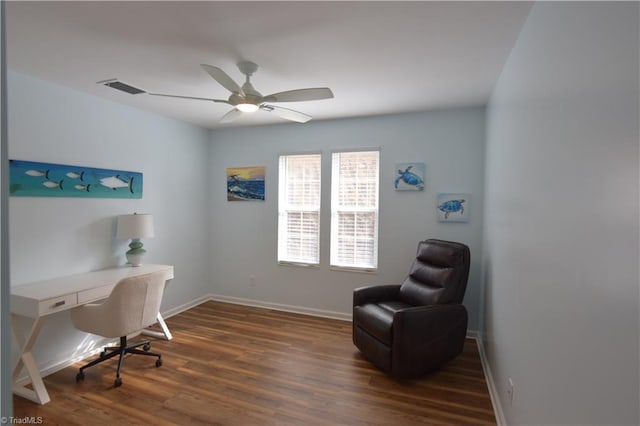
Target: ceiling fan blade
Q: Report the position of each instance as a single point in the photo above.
(287, 113)
(222, 78)
(231, 116)
(301, 95)
(190, 97)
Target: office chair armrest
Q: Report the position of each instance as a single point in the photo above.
(372, 294)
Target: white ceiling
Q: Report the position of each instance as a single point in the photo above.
(377, 57)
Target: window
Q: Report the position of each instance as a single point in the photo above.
(354, 209)
(299, 209)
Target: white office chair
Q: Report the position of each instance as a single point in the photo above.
(132, 306)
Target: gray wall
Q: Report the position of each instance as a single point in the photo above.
(562, 218)
(53, 237)
(244, 237)
(214, 244)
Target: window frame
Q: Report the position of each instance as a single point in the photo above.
(283, 257)
(334, 262)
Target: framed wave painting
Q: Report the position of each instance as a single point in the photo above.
(245, 183)
(34, 179)
(453, 207)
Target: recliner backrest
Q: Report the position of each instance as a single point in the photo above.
(438, 275)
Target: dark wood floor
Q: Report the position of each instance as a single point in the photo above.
(237, 365)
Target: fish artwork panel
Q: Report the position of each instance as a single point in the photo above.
(34, 179)
(409, 177)
(453, 207)
(245, 183)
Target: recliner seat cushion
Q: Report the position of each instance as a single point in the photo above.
(394, 305)
(375, 320)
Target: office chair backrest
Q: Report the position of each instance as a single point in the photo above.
(132, 305)
(438, 275)
(135, 301)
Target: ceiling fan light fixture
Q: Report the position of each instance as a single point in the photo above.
(247, 107)
(246, 99)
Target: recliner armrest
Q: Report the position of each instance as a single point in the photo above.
(375, 293)
(425, 337)
(428, 321)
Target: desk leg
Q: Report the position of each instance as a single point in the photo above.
(39, 392)
(166, 334)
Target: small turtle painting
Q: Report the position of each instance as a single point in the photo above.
(451, 206)
(409, 178)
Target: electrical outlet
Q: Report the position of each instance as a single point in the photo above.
(252, 280)
(510, 390)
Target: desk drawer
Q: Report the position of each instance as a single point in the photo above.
(95, 294)
(56, 304)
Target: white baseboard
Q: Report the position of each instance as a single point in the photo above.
(471, 334)
(491, 384)
(281, 307)
(185, 307)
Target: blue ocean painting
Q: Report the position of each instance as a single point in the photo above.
(245, 183)
(33, 179)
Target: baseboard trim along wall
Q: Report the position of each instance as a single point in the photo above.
(281, 307)
(491, 384)
(185, 307)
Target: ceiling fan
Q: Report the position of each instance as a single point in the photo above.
(246, 99)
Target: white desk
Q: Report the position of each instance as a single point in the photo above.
(39, 299)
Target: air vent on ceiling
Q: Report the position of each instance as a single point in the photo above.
(118, 85)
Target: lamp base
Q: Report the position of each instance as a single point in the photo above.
(135, 253)
(135, 259)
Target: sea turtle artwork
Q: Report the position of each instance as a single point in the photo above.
(451, 206)
(411, 179)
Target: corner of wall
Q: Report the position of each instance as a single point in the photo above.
(491, 384)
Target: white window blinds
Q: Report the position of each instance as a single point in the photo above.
(354, 209)
(299, 209)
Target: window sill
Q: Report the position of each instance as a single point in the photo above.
(299, 264)
(354, 269)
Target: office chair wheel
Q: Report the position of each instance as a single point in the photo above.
(158, 362)
(146, 347)
(117, 382)
(103, 353)
(79, 377)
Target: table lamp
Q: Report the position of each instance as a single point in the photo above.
(135, 226)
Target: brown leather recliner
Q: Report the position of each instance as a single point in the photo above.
(410, 329)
